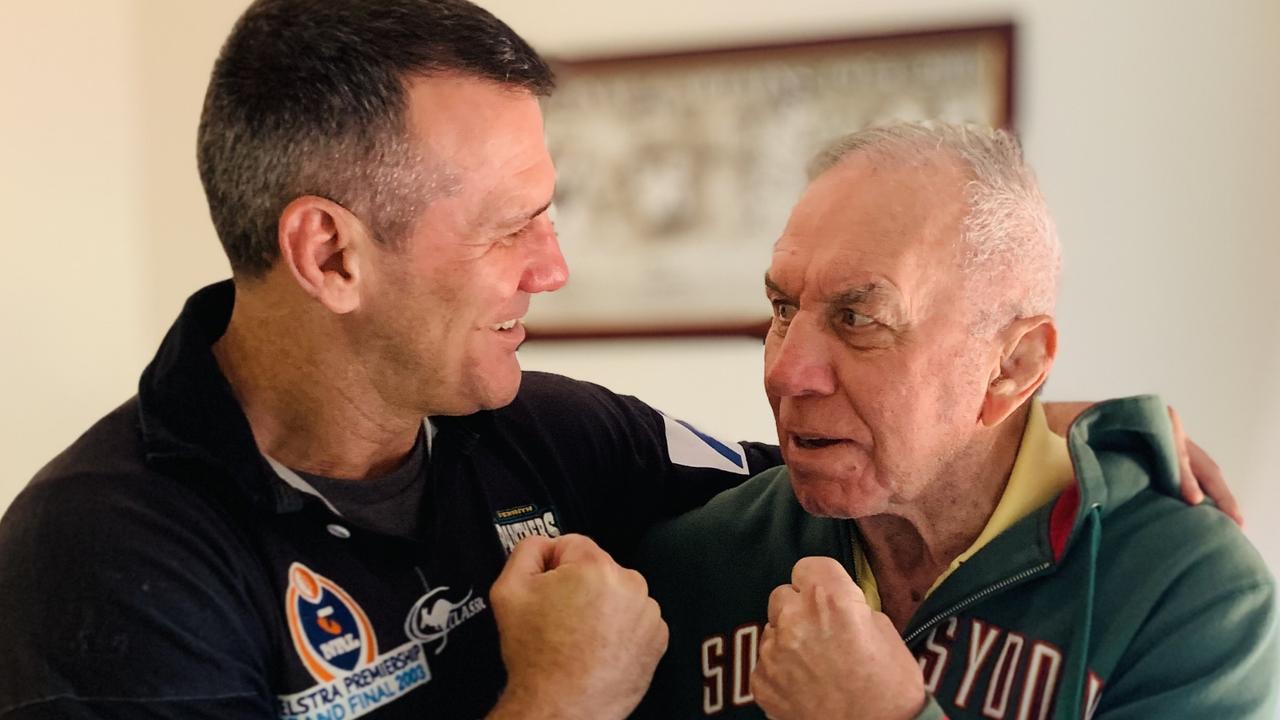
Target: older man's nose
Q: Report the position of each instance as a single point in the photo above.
(801, 365)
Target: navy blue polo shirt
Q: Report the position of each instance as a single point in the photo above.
(161, 567)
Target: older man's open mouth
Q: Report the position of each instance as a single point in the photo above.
(815, 442)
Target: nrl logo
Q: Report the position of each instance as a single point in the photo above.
(434, 616)
(331, 633)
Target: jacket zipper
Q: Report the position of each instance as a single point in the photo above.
(974, 598)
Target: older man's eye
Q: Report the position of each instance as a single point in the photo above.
(783, 310)
(849, 318)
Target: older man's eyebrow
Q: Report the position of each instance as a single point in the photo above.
(871, 292)
(769, 284)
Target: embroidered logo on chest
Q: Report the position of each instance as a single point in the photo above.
(434, 615)
(517, 523)
(330, 631)
(336, 643)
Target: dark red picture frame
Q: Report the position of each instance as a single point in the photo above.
(614, 119)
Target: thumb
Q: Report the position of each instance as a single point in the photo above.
(824, 572)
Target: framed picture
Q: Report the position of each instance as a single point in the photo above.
(677, 172)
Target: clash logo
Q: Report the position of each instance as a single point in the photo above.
(331, 633)
(434, 616)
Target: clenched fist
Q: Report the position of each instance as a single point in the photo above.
(826, 654)
(580, 635)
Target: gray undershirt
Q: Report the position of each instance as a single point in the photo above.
(390, 504)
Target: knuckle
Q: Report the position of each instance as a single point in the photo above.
(781, 597)
(500, 592)
(786, 639)
(533, 542)
(844, 604)
(790, 615)
(848, 599)
(763, 690)
(664, 637)
(653, 609)
(767, 653)
(790, 610)
(818, 565)
(636, 580)
(578, 542)
(759, 677)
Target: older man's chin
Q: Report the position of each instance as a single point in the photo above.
(837, 498)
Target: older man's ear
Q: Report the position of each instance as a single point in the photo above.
(1029, 346)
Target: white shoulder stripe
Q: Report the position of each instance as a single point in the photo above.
(691, 448)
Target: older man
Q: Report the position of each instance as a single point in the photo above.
(976, 565)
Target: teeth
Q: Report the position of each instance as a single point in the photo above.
(506, 325)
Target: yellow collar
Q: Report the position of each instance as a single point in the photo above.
(1041, 471)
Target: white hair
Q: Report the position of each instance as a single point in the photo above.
(1010, 253)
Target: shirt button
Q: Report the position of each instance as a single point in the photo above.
(339, 532)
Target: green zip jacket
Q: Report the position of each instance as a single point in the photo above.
(1116, 600)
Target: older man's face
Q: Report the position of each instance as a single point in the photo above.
(875, 381)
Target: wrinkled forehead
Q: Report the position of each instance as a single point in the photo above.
(874, 220)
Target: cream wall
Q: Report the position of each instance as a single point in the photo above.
(1150, 123)
(74, 288)
(178, 43)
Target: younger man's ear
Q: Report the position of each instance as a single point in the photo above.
(1030, 345)
(321, 243)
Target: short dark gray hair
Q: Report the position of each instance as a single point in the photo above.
(309, 97)
(1010, 253)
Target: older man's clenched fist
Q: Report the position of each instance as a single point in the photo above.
(826, 654)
